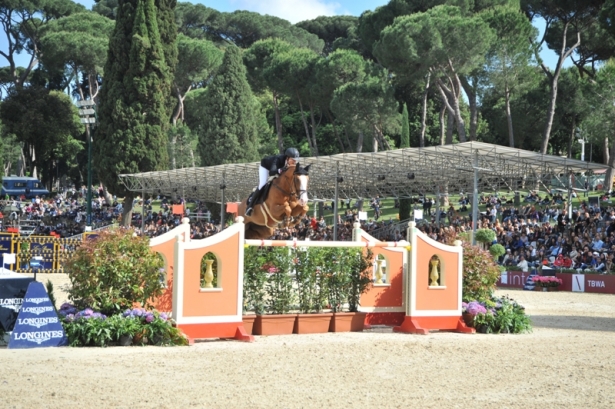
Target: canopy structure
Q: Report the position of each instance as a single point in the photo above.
(399, 173)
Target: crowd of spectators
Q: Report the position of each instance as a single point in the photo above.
(537, 232)
(63, 215)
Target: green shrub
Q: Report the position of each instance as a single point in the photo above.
(480, 273)
(114, 271)
(486, 236)
(497, 250)
(254, 279)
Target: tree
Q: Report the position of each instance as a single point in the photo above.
(509, 57)
(45, 122)
(441, 42)
(405, 129)
(198, 61)
(21, 22)
(329, 29)
(570, 18)
(229, 128)
(133, 112)
(404, 204)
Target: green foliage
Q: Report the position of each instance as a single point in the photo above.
(405, 129)
(486, 236)
(279, 285)
(146, 328)
(497, 250)
(50, 293)
(254, 279)
(360, 267)
(504, 316)
(114, 271)
(228, 129)
(480, 273)
(311, 270)
(134, 110)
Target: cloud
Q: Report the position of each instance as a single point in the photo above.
(291, 10)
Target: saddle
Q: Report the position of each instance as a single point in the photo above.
(263, 193)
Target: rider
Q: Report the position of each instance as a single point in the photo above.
(272, 165)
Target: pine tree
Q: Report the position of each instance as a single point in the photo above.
(404, 204)
(405, 129)
(229, 131)
(133, 112)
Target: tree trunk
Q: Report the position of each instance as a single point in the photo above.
(450, 97)
(337, 135)
(314, 128)
(449, 128)
(278, 123)
(305, 125)
(375, 140)
(608, 177)
(360, 142)
(346, 137)
(571, 139)
(554, 78)
(174, 148)
(127, 209)
(606, 150)
(424, 113)
(471, 93)
(442, 125)
(511, 135)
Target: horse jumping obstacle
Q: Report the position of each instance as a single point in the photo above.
(422, 290)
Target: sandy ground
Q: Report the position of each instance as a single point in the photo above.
(567, 362)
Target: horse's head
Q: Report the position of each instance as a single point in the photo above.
(301, 177)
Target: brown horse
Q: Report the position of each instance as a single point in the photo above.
(287, 197)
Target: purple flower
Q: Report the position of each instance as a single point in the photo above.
(137, 312)
(88, 312)
(149, 318)
(127, 313)
(164, 316)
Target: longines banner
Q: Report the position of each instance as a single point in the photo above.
(12, 292)
(37, 325)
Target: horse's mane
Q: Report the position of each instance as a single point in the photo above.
(302, 170)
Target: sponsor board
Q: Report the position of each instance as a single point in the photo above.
(37, 324)
(12, 292)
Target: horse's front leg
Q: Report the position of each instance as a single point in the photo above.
(283, 209)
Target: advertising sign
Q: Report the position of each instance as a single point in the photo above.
(38, 325)
(12, 292)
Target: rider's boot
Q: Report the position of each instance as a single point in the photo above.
(249, 204)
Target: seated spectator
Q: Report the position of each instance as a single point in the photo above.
(523, 263)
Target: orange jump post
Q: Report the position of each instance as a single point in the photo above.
(165, 246)
(434, 286)
(201, 308)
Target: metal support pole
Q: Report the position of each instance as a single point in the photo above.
(335, 209)
(89, 195)
(222, 212)
(475, 200)
(143, 213)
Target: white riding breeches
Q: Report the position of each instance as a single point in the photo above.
(263, 176)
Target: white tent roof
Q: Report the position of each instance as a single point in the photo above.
(395, 173)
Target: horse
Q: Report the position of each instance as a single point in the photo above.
(285, 201)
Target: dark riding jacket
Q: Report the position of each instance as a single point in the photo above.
(273, 163)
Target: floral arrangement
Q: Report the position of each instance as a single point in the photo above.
(497, 315)
(546, 281)
(90, 328)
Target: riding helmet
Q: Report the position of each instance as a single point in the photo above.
(292, 153)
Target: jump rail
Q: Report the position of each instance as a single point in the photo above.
(302, 243)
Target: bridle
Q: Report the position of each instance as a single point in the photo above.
(293, 192)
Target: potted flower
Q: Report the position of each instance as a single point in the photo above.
(546, 283)
(357, 267)
(279, 295)
(314, 269)
(470, 310)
